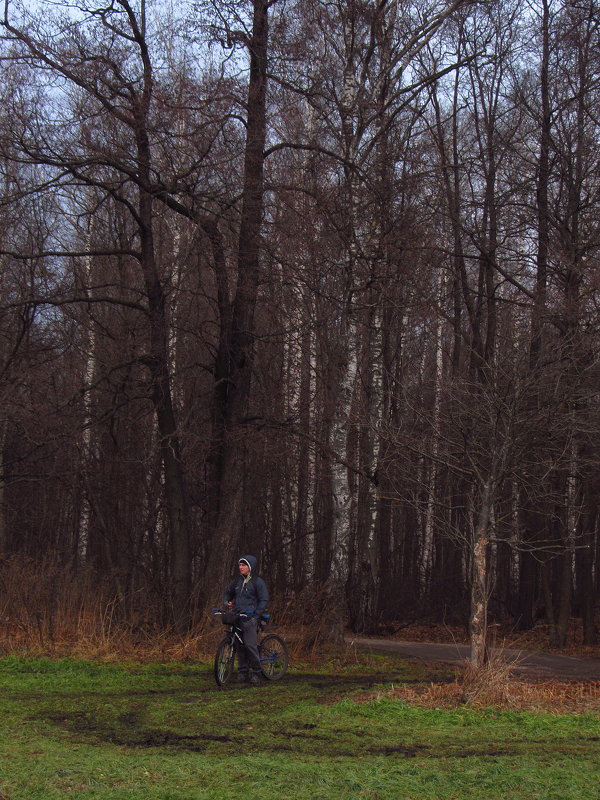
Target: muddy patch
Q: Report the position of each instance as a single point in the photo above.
(397, 750)
(128, 733)
(194, 742)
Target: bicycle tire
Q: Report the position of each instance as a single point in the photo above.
(224, 662)
(274, 657)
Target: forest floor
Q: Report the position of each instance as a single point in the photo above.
(536, 639)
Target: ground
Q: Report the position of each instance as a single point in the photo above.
(553, 666)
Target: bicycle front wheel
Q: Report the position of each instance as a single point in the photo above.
(274, 657)
(224, 662)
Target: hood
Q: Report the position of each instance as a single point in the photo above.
(250, 560)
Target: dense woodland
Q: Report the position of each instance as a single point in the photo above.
(316, 280)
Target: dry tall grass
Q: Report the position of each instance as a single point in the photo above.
(547, 696)
(47, 609)
(495, 686)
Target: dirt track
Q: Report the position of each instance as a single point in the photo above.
(535, 665)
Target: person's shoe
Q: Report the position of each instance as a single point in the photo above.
(242, 677)
(254, 679)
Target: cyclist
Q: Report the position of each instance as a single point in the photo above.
(247, 594)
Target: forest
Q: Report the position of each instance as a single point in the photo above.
(316, 280)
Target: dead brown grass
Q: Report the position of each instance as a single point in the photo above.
(49, 610)
(519, 695)
(537, 638)
(495, 686)
(120, 644)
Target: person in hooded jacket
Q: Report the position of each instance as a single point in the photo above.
(247, 594)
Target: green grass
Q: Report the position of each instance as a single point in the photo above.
(165, 732)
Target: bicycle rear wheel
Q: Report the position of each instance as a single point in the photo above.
(274, 657)
(224, 662)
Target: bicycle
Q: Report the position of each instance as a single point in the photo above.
(272, 650)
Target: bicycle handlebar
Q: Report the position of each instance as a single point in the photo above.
(263, 616)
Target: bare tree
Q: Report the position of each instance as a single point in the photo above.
(122, 97)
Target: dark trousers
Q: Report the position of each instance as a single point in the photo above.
(247, 654)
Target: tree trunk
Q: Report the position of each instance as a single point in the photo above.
(158, 364)
(479, 585)
(300, 530)
(3, 528)
(585, 565)
(233, 376)
(564, 598)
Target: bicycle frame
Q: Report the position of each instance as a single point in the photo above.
(272, 650)
(236, 633)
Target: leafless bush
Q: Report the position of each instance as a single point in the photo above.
(304, 623)
(495, 686)
(49, 608)
(490, 684)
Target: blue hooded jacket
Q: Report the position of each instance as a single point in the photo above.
(249, 596)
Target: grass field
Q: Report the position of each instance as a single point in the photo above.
(165, 732)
